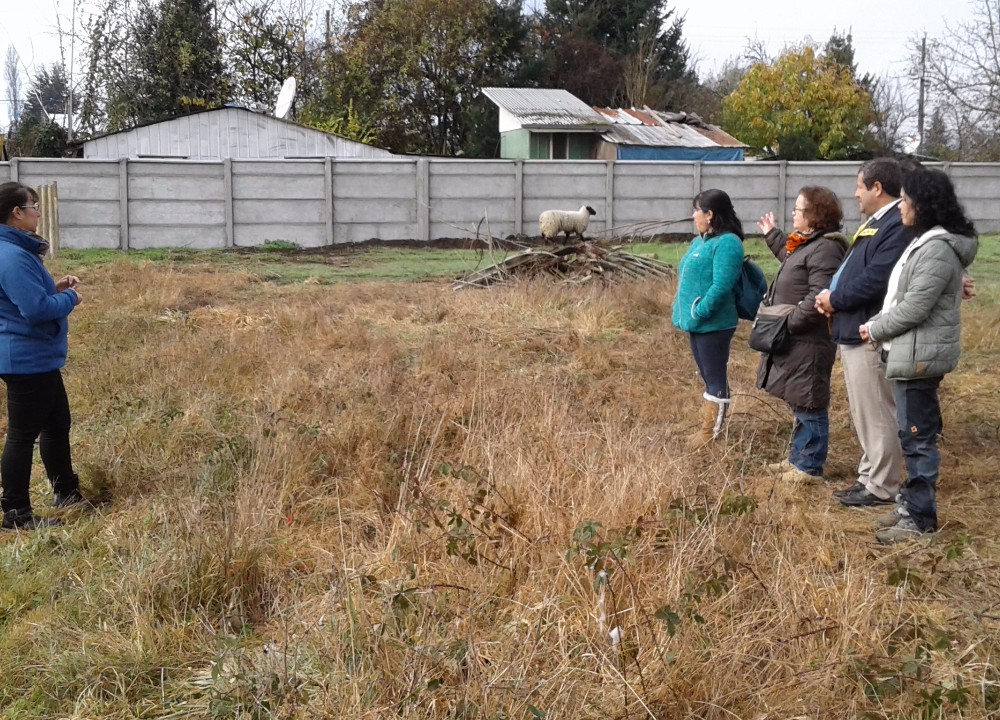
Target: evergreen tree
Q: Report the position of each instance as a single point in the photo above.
(409, 71)
(178, 60)
(937, 139)
(49, 93)
(161, 60)
(616, 51)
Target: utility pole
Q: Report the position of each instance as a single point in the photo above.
(920, 97)
(69, 82)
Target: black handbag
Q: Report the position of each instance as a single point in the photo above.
(769, 333)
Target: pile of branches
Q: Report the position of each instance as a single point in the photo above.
(576, 263)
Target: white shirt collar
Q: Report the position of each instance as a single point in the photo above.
(878, 214)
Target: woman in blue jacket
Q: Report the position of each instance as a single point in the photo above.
(33, 328)
(705, 303)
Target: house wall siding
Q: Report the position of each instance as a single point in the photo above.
(515, 145)
(235, 133)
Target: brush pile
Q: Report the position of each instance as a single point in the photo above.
(576, 263)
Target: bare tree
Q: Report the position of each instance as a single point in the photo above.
(12, 81)
(639, 68)
(962, 71)
(892, 113)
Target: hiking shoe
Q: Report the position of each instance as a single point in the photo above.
(903, 531)
(70, 499)
(843, 492)
(780, 467)
(862, 498)
(891, 519)
(26, 520)
(800, 476)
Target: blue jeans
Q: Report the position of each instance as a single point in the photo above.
(919, 416)
(810, 439)
(711, 355)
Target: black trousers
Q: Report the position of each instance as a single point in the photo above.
(37, 409)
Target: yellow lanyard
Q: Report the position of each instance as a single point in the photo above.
(863, 226)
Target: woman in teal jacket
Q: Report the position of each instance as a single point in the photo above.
(705, 302)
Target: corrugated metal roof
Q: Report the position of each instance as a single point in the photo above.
(656, 129)
(536, 108)
(657, 136)
(713, 132)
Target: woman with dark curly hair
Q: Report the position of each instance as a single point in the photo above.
(800, 375)
(919, 330)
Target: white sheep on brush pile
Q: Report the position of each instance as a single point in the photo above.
(553, 222)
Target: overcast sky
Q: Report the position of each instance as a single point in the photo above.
(714, 31)
(881, 31)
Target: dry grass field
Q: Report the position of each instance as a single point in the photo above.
(388, 499)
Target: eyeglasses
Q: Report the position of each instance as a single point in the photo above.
(29, 207)
(798, 210)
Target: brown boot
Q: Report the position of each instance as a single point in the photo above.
(713, 415)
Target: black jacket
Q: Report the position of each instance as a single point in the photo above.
(863, 281)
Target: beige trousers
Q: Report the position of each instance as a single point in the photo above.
(873, 412)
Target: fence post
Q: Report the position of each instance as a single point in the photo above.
(227, 200)
(609, 202)
(48, 226)
(696, 183)
(423, 200)
(518, 197)
(123, 203)
(13, 170)
(328, 194)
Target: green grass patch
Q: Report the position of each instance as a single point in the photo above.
(286, 265)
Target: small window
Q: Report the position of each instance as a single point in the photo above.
(559, 146)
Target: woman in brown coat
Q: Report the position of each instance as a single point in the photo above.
(801, 375)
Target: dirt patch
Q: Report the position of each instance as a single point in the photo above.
(512, 242)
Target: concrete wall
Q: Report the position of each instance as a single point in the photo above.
(162, 203)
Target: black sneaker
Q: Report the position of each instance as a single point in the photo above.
(863, 498)
(71, 499)
(843, 492)
(26, 520)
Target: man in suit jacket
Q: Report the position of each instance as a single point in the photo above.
(856, 293)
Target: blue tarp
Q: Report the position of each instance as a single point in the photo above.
(645, 152)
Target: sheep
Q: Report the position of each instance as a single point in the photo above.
(553, 222)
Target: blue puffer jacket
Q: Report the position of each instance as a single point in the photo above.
(705, 300)
(33, 324)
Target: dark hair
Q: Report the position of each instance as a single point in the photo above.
(723, 213)
(885, 171)
(825, 212)
(932, 196)
(12, 195)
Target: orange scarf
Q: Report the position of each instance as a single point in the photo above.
(795, 240)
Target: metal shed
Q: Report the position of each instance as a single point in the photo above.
(544, 124)
(649, 134)
(229, 132)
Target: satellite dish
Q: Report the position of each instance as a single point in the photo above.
(285, 97)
